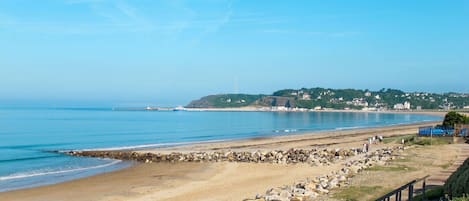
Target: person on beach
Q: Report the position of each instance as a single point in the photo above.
(364, 148)
(402, 141)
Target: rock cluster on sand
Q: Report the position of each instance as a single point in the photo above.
(310, 189)
(291, 156)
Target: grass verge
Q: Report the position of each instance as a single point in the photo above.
(416, 140)
(358, 193)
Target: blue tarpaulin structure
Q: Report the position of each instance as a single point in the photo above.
(427, 131)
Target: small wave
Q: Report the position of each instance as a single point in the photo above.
(349, 128)
(285, 131)
(29, 146)
(399, 124)
(20, 176)
(29, 158)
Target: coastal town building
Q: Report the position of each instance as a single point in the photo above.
(306, 96)
(358, 102)
(406, 105)
(402, 106)
(370, 109)
(398, 106)
(447, 106)
(280, 108)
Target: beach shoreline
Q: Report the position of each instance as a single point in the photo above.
(140, 175)
(294, 140)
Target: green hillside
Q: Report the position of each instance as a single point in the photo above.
(338, 99)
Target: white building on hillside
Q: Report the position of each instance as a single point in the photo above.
(406, 105)
(400, 106)
(306, 96)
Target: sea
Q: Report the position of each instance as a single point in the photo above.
(32, 140)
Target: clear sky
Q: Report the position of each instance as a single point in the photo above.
(170, 52)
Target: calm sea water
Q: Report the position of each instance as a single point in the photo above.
(28, 137)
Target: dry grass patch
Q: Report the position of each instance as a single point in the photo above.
(393, 168)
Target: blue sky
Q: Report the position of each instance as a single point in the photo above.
(169, 52)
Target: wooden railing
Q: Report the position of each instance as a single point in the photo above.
(410, 186)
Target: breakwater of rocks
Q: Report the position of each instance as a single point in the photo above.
(355, 161)
(311, 189)
(291, 156)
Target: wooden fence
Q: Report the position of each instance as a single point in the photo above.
(397, 194)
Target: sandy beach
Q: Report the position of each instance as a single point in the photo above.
(220, 100)
(209, 180)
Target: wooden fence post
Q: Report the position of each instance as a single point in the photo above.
(424, 198)
(411, 192)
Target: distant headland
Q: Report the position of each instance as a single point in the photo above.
(337, 99)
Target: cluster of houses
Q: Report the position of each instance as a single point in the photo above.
(356, 102)
(287, 103)
(286, 109)
(302, 95)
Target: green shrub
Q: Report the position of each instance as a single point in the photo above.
(432, 194)
(463, 198)
(452, 118)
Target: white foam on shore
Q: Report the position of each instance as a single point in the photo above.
(285, 131)
(35, 174)
(350, 128)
